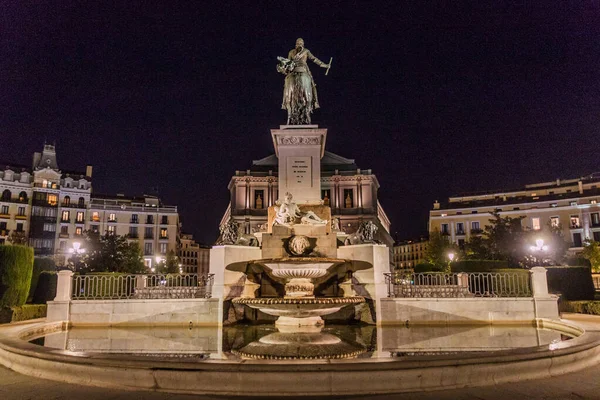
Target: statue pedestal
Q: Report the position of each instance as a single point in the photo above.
(299, 149)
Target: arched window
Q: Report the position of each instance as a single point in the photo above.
(23, 197)
(66, 201)
(81, 202)
(6, 195)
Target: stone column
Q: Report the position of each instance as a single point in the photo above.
(545, 304)
(140, 281)
(64, 285)
(59, 309)
(539, 283)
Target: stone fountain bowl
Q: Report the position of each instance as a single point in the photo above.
(299, 346)
(300, 267)
(299, 311)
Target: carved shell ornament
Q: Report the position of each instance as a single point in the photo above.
(297, 140)
(299, 245)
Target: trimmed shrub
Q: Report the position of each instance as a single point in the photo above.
(581, 307)
(427, 267)
(40, 264)
(16, 269)
(478, 265)
(22, 313)
(572, 283)
(46, 288)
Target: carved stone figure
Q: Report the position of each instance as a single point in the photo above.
(299, 91)
(230, 234)
(288, 212)
(365, 234)
(335, 224)
(298, 245)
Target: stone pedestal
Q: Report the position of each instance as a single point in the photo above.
(370, 282)
(299, 149)
(229, 284)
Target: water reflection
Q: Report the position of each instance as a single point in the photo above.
(239, 342)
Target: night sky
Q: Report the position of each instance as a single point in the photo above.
(436, 100)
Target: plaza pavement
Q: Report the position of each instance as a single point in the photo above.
(576, 386)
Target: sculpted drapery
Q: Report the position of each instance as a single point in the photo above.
(299, 91)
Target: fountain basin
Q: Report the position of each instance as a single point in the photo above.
(299, 311)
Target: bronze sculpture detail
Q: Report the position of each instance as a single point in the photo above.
(299, 91)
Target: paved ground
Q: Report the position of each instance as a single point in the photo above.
(577, 386)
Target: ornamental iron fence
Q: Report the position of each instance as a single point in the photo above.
(475, 284)
(141, 286)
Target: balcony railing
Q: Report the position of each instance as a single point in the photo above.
(460, 232)
(119, 207)
(73, 205)
(15, 200)
(140, 286)
(477, 284)
(133, 236)
(148, 236)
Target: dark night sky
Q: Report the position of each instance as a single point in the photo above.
(437, 100)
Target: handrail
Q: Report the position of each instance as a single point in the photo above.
(141, 286)
(474, 284)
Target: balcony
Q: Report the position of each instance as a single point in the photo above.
(476, 231)
(134, 221)
(461, 232)
(15, 200)
(20, 216)
(64, 235)
(65, 221)
(112, 220)
(575, 226)
(73, 205)
(164, 238)
(80, 221)
(43, 203)
(133, 236)
(6, 216)
(148, 236)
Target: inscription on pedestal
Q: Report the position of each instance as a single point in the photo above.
(299, 172)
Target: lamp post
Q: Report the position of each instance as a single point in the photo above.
(451, 257)
(76, 250)
(538, 251)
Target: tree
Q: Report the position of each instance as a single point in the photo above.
(170, 265)
(16, 269)
(591, 252)
(506, 239)
(111, 253)
(438, 249)
(18, 238)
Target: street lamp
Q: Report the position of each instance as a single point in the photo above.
(539, 246)
(451, 257)
(76, 250)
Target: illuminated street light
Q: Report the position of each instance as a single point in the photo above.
(451, 256)
(539, 246)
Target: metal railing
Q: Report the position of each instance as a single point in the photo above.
(475, 284)
(596, 280)
(141, 286)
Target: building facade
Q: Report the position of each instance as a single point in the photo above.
(51, 208)
(145, 220)
(571, 205)
(194, 258)
(349, 191)
(409, 253)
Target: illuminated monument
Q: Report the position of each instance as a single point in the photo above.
(297, 265)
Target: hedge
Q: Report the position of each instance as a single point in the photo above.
(16, 270)
(478, 265)
(46, 288)
(40, 264)
(426, 267)
(581, 307)
(571, 283)
(22, 313)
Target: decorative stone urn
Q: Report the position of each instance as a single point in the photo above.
(299, 276)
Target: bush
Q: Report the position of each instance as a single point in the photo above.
(572, 283)
(16, 269)
(22, 313)
(40, 264)
(478, 265)
(46, 288)
(581, 307)
(427, 267)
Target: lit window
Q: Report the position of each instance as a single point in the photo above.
(111, 229)
(574, 222)
(535, 224)
(163, 233)
(96, 216)
(65, 216)
(79, 217)
(79, 231)
(52, 199)
(593, 202)
(554, 222)
(112, 217)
